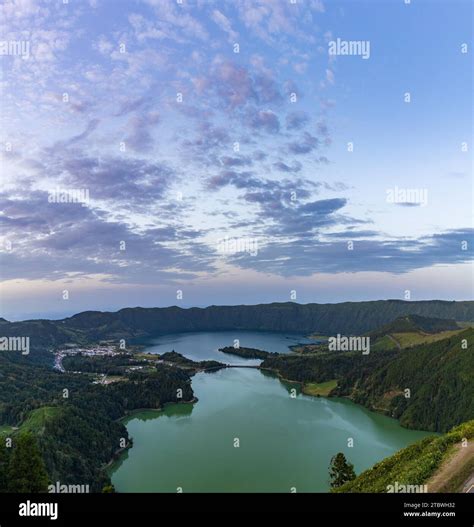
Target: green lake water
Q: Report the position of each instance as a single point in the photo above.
(284, 443)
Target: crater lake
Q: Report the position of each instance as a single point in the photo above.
(247, 433)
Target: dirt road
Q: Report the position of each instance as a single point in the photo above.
(451, 466)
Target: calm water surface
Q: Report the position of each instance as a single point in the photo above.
(205, 345)
(283, 442)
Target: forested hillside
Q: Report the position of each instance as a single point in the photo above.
(78, 431)
(428, 387)
(439, 377)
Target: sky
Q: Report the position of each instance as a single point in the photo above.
(199, 152)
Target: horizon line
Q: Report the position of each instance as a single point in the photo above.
(238, 305)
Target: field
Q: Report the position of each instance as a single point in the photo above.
(322, 389)
(413, 339)
(148, 356)
(5, 429)
(37, 418)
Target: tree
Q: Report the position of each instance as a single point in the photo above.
(340, 470)
(26, 470)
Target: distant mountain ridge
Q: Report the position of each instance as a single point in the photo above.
(350, 318)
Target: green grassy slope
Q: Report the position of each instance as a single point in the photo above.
(413, 465)
(413, 323)
(411, 330)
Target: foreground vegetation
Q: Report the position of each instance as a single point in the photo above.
(22, 468)
(414, 465)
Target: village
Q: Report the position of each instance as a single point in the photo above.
(94, 351)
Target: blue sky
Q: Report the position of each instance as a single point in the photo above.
(227, 157)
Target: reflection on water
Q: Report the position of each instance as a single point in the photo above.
(284, 442)
(205, 345)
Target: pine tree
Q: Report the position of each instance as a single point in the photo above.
(26, 470)
(340, 470)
